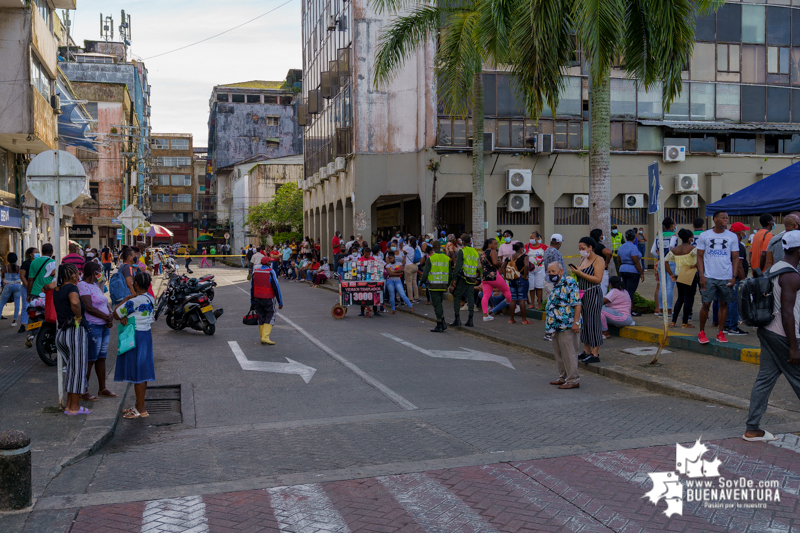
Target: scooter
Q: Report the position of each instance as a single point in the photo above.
(42, 333)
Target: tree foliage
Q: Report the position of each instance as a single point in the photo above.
(283, 213)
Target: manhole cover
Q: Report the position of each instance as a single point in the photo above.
(164, 405)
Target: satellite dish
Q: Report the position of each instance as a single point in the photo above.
(51, 167)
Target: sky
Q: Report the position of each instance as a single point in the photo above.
(181, 82)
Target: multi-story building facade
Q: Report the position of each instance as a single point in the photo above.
(367, 149)
(250, 121)
(29, 35)
(173, 199)
(205, 206)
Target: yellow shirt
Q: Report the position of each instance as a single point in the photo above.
(688, 260)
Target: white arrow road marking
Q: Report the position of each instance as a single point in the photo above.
(292, 367)
(469, 354)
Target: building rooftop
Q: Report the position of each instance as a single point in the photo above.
(255, 84)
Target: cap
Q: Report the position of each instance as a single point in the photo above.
(791, 239)
(324, 258)
(738, 226)
(556, 238)
(443, 233)
(265, 260)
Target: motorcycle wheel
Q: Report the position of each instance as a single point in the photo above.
(211, 295)
(160, 307)
(46, 345)
(173, 324)
(209, 329)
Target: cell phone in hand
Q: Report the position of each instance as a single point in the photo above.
(573, 266)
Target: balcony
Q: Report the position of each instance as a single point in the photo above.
(65, 4)
(12, 3)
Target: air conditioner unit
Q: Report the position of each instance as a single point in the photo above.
(544, 143)
(519, 202)
(323, 173)
(340, 164)
(688, 201)
(55, 103)
(518, 179)
(674, 153)
(330, 170)
(686, 183)
(580, 200)
(633, 201)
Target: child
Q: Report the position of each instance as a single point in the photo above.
(136, 365)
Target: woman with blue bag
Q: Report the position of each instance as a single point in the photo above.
(135, 360)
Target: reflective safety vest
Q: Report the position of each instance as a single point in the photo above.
(438, 277)
(616, 241)
(262, 284)
(470, 267)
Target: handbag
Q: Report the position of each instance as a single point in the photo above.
(686, 275)
(251, 318)
(126, 336)
(50, 308)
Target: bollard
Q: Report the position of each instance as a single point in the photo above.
(15, 470)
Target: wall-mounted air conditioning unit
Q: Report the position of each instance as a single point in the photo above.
(688, 201)
(518, 179)
(580, 200)
(673, 154)
(633, 201)
(340, 164)
(544, 143)
(686, 183)
(519, 202)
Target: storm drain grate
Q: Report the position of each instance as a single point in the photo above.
(164, 405)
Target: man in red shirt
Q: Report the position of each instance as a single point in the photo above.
(73, 257)
(337, 241)
(758, 251)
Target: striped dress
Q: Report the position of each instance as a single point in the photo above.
(591, 308)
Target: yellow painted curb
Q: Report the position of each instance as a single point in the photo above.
(647, 334)
(751, 355)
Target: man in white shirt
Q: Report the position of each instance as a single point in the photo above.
(256, 260)
(717, 265)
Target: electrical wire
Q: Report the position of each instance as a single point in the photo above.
(221, 33)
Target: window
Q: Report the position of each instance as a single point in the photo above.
(202, 188)
(702, 101)
(796, 106)
(623, 98)
(728, 102)
(160, 198)
(272, 121)
(679, 110)
(179, 217)
(286, 100)
(728, 57)
(753, 21)
(181, 198)
(503, 139)
(704, 28)
(702, 144)
(44, 11)
(753, 104)
(623, 136)
(489, 95)
(239, 98)
(181, 180)
(570, 216)
(180, 144)
(568, 135)
(777, 60)
(778, 104)
(729, 23)
(702, 62)
(744, 144)
(507, 103)
(779, 26)
(512, 218)
(782, 144)
(570, 101)
(94, 190)
(253, 98)
(222, 98)
(40, 79)
(754, 64)
(173, 161)
(161, 144)
(446, 132)
(649, 104)
(163, 179)
(649, 139)
(270, 99)
(460, 132)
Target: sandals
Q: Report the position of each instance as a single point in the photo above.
(525, 322)
(90, 398)
(766, 437)
(672, 324)
(133, 413)
(687, 326)
(81, 411)
(105, 393)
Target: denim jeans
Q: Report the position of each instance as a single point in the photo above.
(309, 275)
(244, 261)
(396, 285)
(99, 335)
(12, 293)
(670, 286)
(733, 310)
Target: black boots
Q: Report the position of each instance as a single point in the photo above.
(469, 323)
(439, 327)
(457, 321)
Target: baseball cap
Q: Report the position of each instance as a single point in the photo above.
(738, 226)
(443, 233)
(265, 260)
(557, 238)
(791, 239)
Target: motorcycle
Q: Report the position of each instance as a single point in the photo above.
(187, 303)
(43, 334)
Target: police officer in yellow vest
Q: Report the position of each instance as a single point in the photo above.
(436, 278)
(616, 242)
(465, 273)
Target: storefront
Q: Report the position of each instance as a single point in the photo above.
(82, 234)
(10, 226)
(182, 233)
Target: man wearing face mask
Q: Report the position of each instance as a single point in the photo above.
(563, 323)
(535, 250)
(616, 243)
(462, 282)
(506, 245)
(436, 279)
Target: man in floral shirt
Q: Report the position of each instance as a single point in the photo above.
(562, 321)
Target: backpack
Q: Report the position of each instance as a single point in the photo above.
(756, 300)
(117, 287)
(512, 272)
(417, 255)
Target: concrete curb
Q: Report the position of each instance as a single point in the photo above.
(626, 375)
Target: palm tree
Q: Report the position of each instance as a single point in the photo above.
(461, 53)
(655, 39)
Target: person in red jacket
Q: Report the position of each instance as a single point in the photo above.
(264, 291)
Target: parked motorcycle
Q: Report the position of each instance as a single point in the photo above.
(43, 334)
(187, 303)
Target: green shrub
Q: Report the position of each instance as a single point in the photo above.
(642, 304)
(284, 236)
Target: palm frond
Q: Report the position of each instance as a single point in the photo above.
(599, 24)
(457, 61)
(402, 37)
(495, 24)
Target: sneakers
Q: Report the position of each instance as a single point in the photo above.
(721, 337)
(591, 359)
(465, 307)
(548, 337)
(702, 338)
(488, 318)
(583, 356)
(736, 331)
(14, 324)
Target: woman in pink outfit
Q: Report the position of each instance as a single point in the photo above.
(491, 278)
(203, 261)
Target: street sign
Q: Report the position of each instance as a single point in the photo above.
(227, 236)
(131, 217)
(116, 222)
(119, 234)
(653, 188)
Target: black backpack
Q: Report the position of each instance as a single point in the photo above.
(756, 299)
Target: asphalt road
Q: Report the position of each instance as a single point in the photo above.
(363, 397)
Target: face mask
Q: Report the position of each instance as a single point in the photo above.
(553, 278)
(507, 239)
(533, 241)
(427, 240)
(584, 253)
(614, 232)
(603, 238)
(37, 256)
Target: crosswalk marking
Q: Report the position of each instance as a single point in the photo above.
(305, 509)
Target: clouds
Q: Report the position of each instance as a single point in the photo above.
(182, 81)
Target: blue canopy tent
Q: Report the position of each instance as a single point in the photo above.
(778, 193)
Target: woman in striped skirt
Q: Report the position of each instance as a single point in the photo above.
(72, 340)
(590, 275)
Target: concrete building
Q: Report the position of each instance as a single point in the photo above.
(205, 203)
(367, 149)
(173, 190)
(29, 36)
(246, 121)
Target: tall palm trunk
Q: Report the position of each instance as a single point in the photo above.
(478, 213)
(599, 156)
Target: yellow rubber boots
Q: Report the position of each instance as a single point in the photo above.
(265, 330)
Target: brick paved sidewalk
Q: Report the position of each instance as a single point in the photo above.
(588, 493)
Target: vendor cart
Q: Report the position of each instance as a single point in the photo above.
(366, 293)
